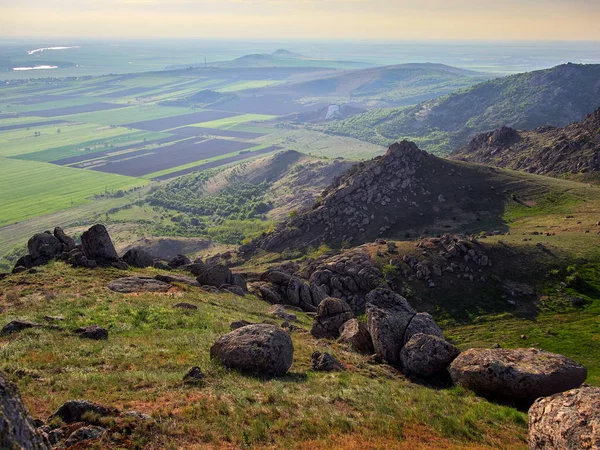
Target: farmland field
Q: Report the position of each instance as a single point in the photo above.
(30, 189)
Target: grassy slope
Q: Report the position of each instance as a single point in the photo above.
(152, 345)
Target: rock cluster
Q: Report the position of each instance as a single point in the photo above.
(405, 339)
(282, 288)
(332, 314)
(517, 374)
(567, 421)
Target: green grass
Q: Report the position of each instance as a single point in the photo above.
(23, 141)
(29, 189)
(243, 85)
(130, 114)
(151, 346)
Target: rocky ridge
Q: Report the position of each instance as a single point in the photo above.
(545, 151)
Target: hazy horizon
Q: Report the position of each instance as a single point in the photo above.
(574, 20)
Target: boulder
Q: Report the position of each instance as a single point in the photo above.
(232, 289)
(128, 285)
(138, 258)
(567, 421)
(388, 316)
(215, 275)
(259, 349)
(422, 323)
(239, 324)
(332, 313)
(281, 287)
(43, 247)
(356, 335)
(81, 411)
(425, 355)
(519, 374)
(178, 261)
(93, 332)
(96, 245)
(324, 362)
(17, 428)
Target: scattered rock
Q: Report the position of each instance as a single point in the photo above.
(426, 355)
(236, 290)
(182, 279)
(356, 335)
(81, 411)
(138, 258)
(519, 374)
(282, 288)
(239, 324)
(84, 434)
(194, 376)
(566, 421)
(17, 428)
(260, 349)
(282, 313)
(94, 332)
(178, 261)
(325, 362)
(332, 313)
(128, 285)
(16, 326)
(388, 316)
(215, 275)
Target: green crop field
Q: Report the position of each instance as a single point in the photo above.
(243, 85)
(23, 141)
(128, 115)
(29, 189)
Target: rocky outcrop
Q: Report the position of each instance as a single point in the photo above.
(355, 334)
(349, 277)
(260, 349)
(422, 323)
(388, 317)
(566, 421)
(518, 374)
(178, 261)
(219, 276)
(332, 313)
(17, 429)
(129, 285)
(97, 246)
(425, 355)
(546, 150)
(282, 288)
(77, 410)
(138, 258)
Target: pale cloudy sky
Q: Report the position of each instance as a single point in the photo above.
(305, 19)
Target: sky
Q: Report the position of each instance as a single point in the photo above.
(539, 20)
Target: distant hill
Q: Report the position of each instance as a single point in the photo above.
(556, 96)
(574, 149)
(403, 84)
(406, 193)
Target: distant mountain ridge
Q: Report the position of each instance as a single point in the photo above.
(556, 96)
(574, 149)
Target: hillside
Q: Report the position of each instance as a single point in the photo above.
(557, 97)
(407, 192)
(402, 84)
(569, 151)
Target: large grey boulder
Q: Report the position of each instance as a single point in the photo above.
(17, 429)
(388, 316)
(128, 285)
(215, 275)
(519, 374)
(425, 355)
(260, 349)
(356, 335)
(566, 421)
(332, 313)
(97, 245)
(178, 261)
(138, 258)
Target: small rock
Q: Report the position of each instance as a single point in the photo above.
(185, 306)
(193, 376)
(239, 324)
(129, 285)
(282, 313)
(84, 434)
(16, 326)
(94, 332)
(80, 410)
(325, 362)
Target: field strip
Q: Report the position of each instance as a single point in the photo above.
(207, 163)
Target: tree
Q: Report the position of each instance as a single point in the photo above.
(58, 130)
